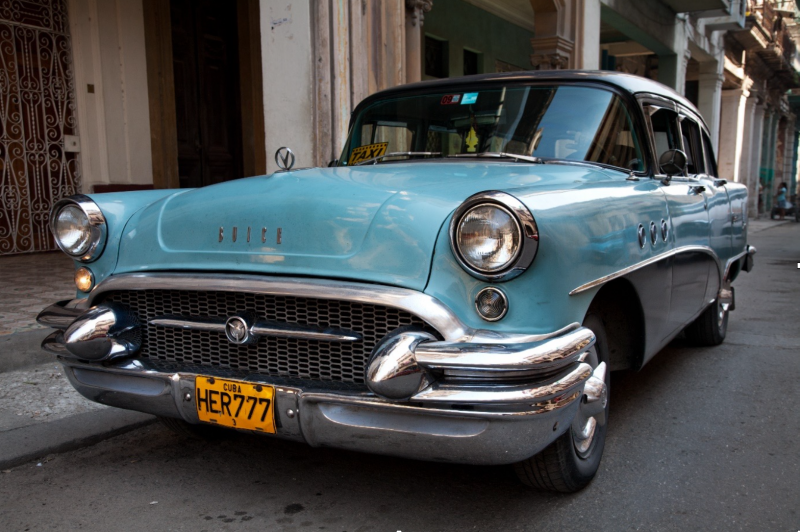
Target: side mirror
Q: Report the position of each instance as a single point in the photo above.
(672, 162)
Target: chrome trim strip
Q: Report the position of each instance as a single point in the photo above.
(443, 393)
(529, 237)
(259, 328)
(196, 324)
(97, 221)
(431, 310)
(535, 356)
(58, 316)
(647, 262)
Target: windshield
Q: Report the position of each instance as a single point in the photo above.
(556, 122)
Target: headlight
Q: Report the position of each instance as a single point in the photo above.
(488, 238)
(494, 236)
(79, 227)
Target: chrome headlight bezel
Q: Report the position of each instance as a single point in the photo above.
(98, 227)
(529, 235)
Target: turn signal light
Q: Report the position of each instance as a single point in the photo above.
(84, 279)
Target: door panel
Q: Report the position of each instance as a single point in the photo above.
(689, 221)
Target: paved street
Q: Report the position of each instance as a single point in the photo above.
(701, 439)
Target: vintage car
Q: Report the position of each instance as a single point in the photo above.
(457, 287)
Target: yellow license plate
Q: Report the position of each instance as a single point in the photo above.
(238, 404)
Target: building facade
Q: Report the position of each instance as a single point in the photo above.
(108, 95)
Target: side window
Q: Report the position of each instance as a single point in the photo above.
(665, 131)
(711, 161)
(695, 163)
(615, 142)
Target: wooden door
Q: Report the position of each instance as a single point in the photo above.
(206, 73)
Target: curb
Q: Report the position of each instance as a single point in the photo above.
(81, 430)
(23, 349)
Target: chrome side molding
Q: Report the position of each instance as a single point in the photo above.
(647, 262)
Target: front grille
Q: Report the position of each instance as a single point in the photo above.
(284, 357)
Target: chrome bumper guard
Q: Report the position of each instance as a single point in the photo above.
(485, 400)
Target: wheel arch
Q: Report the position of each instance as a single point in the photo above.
(618, 306)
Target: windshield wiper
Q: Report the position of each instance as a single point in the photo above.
(501, 155)
(375, 160)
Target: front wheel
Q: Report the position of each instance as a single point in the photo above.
(571, 462)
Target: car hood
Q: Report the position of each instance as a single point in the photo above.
(374, 223)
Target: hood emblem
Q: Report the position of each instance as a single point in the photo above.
(238, 329)
(284, 158)
(235, 235)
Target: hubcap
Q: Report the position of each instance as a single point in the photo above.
(592, 409)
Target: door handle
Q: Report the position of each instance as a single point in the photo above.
(697, 189)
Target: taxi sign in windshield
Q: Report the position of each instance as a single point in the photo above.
(365, 153)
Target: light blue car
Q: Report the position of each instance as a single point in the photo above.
(457, 287)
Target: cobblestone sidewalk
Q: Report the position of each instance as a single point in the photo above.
(28, 283)
(39, 394)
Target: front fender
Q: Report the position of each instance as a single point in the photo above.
(118, 208)
(585, 233)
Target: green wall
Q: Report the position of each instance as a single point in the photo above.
(463, 25)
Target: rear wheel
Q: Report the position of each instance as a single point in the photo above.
(571, 462)
(710, 327)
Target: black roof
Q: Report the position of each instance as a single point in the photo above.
(627, 82)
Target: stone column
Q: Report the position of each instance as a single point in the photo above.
(710, 96)
(746, 175)
(587, 35)
(672, 69)
(788, 152)
(730, 136)
(795, 161)
(767, 170)
(415, 16)
(554, 44)
(756, 146)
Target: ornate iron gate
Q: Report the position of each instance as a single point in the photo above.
(37, 110)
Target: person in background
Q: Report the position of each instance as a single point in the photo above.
(781, 200)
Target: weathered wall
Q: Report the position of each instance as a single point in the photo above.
(288, 74)
(111, 91)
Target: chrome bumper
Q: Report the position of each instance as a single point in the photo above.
(484, 399)
(493, 431)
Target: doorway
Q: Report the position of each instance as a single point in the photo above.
(207, 105)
